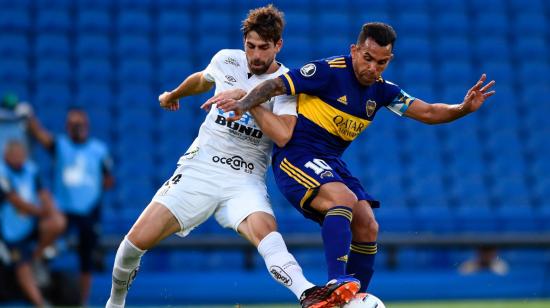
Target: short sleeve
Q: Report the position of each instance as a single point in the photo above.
(213, 67)
(285, 105)
(5, 185)
(310, 78)
(398, 101)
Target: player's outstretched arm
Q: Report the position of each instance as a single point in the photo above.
(443, 113)
(260, 94)
(194, 84)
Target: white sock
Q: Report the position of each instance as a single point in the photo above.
(281, 264)
(127, 260)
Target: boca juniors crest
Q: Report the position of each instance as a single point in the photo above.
(371, 107)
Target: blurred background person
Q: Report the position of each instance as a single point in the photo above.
(485, 259)
(29, 220)
(14, 117)
(82, 171)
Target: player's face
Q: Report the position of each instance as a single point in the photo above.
(260, 54)
(77, 126)
(370, 60)
(16, 156)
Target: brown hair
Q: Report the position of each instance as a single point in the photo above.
(267, 21)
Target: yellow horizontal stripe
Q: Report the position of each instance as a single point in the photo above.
(331, 119)
(337, 60)
(345, 214)
(296, 177)
(292, 89)
(338, 66)
(364, 249)
(364, 252)
(305, 175)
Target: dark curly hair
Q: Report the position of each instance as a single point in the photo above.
(267, 21)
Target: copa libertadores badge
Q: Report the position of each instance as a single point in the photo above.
(308, 70)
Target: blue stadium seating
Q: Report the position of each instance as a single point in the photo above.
(133, 22)
(56, 21)
(14, 46)
(52, 46)
(93, 21)
(487, 172)
(17, 20)
(93, 46)
(53, 70)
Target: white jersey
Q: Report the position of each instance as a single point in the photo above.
(239, 147)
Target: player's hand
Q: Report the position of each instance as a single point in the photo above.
(477, 95)
(228, 94)
(230, 104)
(167, 102)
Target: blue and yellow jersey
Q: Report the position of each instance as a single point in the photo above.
(333, 107)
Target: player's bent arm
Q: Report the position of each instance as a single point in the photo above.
(194, 84)
(23, 206)
(46, 200)
(435, 113)
(40, 133)
(262, 93)
(278, 127)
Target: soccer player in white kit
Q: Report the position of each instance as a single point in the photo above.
(223, 172)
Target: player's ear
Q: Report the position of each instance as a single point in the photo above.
(353, 49)
(279, 45)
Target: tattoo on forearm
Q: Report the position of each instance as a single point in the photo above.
(262, 92)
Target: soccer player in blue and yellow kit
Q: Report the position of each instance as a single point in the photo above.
(338, 98)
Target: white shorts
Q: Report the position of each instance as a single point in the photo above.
(198, 189)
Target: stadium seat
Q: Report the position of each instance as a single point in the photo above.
(453, 48)
(536, 46)
(491, 48)
(413, 48)
(294, 52)
(50, 95)
(494, 22)
(135, 4)
(14, 70)
(53, 21)
(330, 46)
(516, 218)
(499, 69)
(496, 6)
(14, 20)
(476, 218)
(139, 95)
(441, 7)
(453, 72)
(378, 13)
(134, 71)
(94, 70)
(531, 6)
(94, 21)
(410, 5)
(174, 47)
(173, 4)
(93, 46)
(451, 23)
(532, 23)
(53, 70)
(511, 191)
(210, 45)
(19, 88)
(174, 72)
(395, 219)
(334, 24)
(299, 23)
(52, 46)
(175, 22)
(436, 219)
(9, 5)
(417, 71)
(216, 22)
(534, 73)
(14, 46)
(412, 23)
(95, 96)
(133, 22)
(133, 47)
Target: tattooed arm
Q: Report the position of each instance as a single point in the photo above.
(260, 94)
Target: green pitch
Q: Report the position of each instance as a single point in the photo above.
(443, 304)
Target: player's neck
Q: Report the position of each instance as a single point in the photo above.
(273, 67)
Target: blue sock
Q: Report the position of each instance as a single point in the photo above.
(336, 233)
(361, 262)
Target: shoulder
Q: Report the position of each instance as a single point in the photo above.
(97, 145)
(233, 57)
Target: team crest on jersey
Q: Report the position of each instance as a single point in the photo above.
(327, 174)
(371, 107)
(308, 70)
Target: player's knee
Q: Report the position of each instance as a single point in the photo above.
(365, 229)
